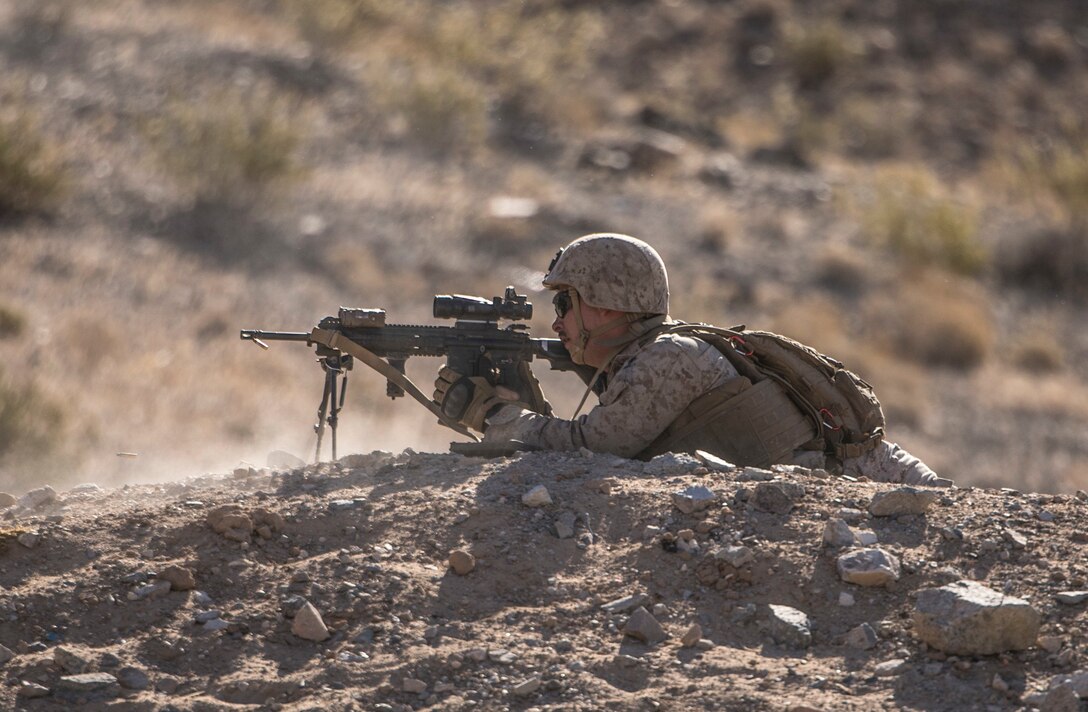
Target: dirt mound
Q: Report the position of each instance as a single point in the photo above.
(580, 582)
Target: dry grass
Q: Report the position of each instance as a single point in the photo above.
(934, 321)
(229, 148)
(12, 322)
(817, 53)
(31, 424)
(32, 174)
(913, 214)
(1051, 177)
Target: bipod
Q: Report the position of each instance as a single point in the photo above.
(329, 410)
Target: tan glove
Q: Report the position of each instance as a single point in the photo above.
(469, 400)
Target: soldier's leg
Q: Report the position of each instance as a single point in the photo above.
(890, 463)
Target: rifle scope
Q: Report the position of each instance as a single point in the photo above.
(512, 306)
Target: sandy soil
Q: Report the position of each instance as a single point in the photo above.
(368, 540)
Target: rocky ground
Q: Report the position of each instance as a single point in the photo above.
(544, 581)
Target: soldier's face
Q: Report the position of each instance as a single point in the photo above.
(567, 326)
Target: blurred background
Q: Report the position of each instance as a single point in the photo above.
(900, 183)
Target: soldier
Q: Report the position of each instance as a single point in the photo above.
(656, 387)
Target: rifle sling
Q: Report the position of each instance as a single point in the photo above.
(336, 340)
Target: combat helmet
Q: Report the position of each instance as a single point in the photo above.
(612, 271)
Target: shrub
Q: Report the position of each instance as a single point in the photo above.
(12, 323)
(32, 177)
(935, 322)
(912, 214)
(443, 110)
(30, 423)
(229, 148)
(1054, 177)
(818, 53)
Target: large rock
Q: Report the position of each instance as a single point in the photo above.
(694, 499)
(904, 500)
(643, 626)
(966, 618)
(309, 625)
(38, 498)
(868, 567)
(777, 497)
(789, 626)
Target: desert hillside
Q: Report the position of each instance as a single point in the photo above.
(901, 184)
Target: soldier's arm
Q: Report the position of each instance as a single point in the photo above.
(643, 398)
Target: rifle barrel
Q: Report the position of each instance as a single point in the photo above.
(257, 335)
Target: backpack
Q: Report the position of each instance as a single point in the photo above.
(842, 407)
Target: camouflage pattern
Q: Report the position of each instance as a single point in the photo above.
(648, 386)
(612, 271)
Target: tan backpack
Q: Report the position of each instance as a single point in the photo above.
(841, 405)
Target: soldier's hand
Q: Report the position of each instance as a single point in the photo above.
(468, 400)
(529, 391)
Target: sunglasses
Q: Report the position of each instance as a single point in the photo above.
(562, 302)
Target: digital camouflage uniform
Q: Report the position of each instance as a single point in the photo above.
(651, 380)
(647, 388)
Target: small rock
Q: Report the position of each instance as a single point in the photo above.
(846, 599)
(776, 497)
(864, 537)
(413, 686)
(501, 656)
(150, 591)
(564, 525)
(70, 661)
(29, 539)
(179, 577)
(999, 684)
(1050, 643)
(527, 687)
(87, 682)
(625, 604)
(229, 521)
(851, 516)
(6, 655)
(862, 637)
(789, 626)
(132, 678)
(1077, 682)
(643, 626)
(714, 462)
(462, 562)
(694, 499)
(1072, 598)
(868, 567)
(7, 500)
(1018, 540)
(537, 497)
(309, 625)
(1061, 699)
(692, 636)
(890, 668)
(30, 690)
(38, 498)
(837, 533)
(904, 500)
(735, 556)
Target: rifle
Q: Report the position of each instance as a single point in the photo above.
(474, 346)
